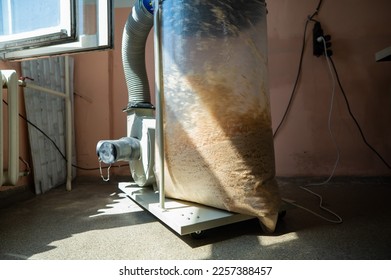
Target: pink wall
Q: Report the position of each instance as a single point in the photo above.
(359, 29)
(303, 146)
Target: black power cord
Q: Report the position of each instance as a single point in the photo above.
(58, 149)
(310, 18)
(354, 118)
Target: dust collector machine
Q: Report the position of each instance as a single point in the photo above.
(203, 156)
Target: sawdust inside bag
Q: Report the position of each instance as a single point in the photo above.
(217, 128)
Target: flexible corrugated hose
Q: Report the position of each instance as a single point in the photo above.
(137, 28)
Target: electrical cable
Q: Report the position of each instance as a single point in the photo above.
(318, 7)
(310, 18)
(305, 187)
(338, 218)
(58, 149)
(354, 118)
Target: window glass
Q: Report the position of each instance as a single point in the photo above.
(32, 28)
(25, 19)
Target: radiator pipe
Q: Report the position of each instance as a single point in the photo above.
(9, 79)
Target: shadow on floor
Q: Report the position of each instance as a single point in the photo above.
(97, 221)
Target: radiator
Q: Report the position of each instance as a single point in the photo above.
(9, 150)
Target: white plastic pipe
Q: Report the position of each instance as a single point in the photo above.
(68, 124)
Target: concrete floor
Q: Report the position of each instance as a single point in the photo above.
(96, 221)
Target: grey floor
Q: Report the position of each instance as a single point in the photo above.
(96, 221)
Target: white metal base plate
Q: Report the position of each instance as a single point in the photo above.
(182, 216)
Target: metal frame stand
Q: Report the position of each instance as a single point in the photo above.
(181, 216)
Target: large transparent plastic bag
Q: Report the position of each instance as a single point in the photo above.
(218, 142)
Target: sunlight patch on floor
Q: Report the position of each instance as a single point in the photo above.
(119, 206)
(276, 240)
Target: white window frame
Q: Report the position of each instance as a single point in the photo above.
(77, 42)
(63, 32)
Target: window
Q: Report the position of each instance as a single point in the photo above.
(32, 28)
